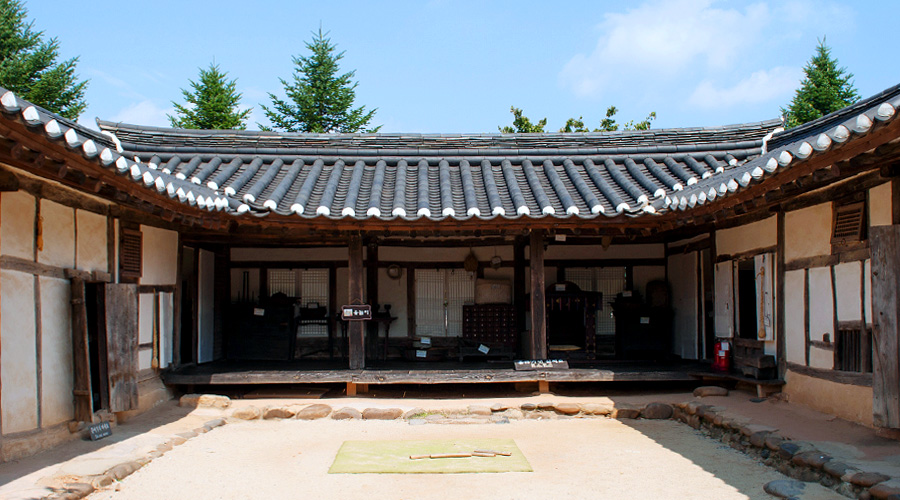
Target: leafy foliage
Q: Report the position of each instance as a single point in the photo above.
(319, 99)
(215, 103)
(29, 67)
(521, 124)
(825, 89)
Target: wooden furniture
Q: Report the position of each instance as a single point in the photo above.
(492, 326)
(572, 317)
(642, 331)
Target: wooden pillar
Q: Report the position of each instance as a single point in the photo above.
(885, 244)
(372, 274)
(538, 342)
(780, 330)
(519, 282)
(356, 329)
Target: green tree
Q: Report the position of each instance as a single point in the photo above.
(521, 124)
(29, 67)
(215, 103)
(319, 99)
(825, 89)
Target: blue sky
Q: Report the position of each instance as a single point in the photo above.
(455, 66)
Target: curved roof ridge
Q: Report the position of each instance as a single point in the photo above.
(139, 135)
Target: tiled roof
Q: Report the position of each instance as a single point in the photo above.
(438, 176)
(458, 176)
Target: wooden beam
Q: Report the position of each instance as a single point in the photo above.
(537, 343)
(356, 329)
(885, 241)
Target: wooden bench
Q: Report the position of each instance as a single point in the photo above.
(763, 387)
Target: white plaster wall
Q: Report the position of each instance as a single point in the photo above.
(56, 352)
(640, 251)
(693, 239)
(880, 205)
(59, 235)
(795, 331)
(159, 259)
(821, 305)
(807, 232)
(289, 254)
(145, 359)
(759, 234)
(17, 225)
(393, 292)
(847, 287)
(683, 284)
(821, 358)
(17, 344)
(443, 254)
(90, 242)
(867, 270)
(646, 274)
(145, 318)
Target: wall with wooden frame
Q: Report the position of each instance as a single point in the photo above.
(42, 243)
(828, 290)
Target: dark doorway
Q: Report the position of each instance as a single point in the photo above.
(187, 344)
(747, 300)
(97, 350)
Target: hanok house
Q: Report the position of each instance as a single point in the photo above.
(137, 259)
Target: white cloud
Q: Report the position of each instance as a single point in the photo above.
(145, 112)
(662, 40)
(760, 87)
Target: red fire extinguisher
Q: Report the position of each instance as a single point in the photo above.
(722, 360)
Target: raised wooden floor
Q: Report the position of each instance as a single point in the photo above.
(240, 373)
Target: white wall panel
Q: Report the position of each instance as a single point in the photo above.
(56, 352)
(17, 225)
(18, 368)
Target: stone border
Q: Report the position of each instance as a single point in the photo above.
(796, 459)
(88, 484)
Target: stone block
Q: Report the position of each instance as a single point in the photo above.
(382, 413)
(479, 410)
(597, 408)
(314, 412)
(204, 401)
(837, 468)
(785, 488)
(657, 411)
(247, 413)
(567, 408)
(885, 490)
(276, 412)
(710, 390)
(346, 414)
(867, 479)
(626, 413)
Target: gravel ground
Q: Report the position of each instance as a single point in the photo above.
(574, 458)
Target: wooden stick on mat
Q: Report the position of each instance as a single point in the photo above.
(501, 453)
(441, 455)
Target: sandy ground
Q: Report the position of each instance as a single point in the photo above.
(573, 458)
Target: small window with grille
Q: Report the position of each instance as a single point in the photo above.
(849, 225)
(853, 350)
(130, 243)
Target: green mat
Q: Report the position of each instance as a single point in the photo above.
(392, 457)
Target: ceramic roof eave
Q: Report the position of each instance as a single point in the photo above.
(103, 150)
(814, 139)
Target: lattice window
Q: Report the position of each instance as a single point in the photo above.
(282, 281)
(130, 253)
(610, 281)
(849, 225)
(853, 350)
(313, 291)
(440, 295)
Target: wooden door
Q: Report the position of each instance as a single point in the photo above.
(121, 305)
(885, 243)
(81, 354)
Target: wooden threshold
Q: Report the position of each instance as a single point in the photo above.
(422, 376)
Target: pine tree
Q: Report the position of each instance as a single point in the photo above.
(319, 99)
(215, 103)
(825, 89)
(29, 68)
